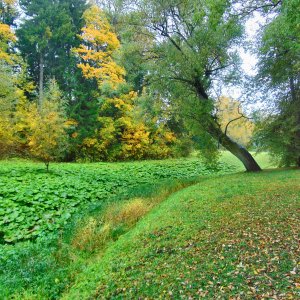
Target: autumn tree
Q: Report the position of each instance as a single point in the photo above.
(119, 135)
(45, 126)
(96, 52)
(234, 122)
(8, 99)
(10, 94)
(7, 37)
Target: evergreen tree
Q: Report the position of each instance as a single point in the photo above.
(46, 37)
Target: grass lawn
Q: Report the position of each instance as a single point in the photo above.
(99, 230)
(230, 237)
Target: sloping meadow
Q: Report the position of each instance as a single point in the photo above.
(228, 237)
(54, 224)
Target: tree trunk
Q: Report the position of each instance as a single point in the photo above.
(215, 131)
(236, 149)
(294, 87)
(41, 80)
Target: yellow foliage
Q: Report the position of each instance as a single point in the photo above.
(170, 137)
(7, 137)
(43, 129)
(6, 37)
(6, 33)
(9, 2)
(240, 130)
(119, 135)
(135, 141)
(99, 45)
(89, 142)
(71, 123)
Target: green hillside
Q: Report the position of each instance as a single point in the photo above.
(233, 236)
(173, 228)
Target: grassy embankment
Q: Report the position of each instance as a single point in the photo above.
(232, 236)
(44, 269)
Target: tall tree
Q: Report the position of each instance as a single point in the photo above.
(279, 74)
(100, 43)
(194, 46)
(46, 37)
(120, 135)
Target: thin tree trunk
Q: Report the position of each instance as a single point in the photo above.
(294, 87)
(236, 149)
(41, 80)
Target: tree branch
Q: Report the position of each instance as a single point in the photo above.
(235, 119)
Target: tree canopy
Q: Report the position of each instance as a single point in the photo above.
(138, 79)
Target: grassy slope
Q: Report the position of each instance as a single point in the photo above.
(45, 268)
(235, 235)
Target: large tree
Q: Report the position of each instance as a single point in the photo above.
(194, 45)
(46, 37)
(279, 75)
(121, 134)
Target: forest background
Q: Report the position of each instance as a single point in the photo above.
(119, 80)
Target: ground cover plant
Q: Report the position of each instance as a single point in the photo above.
(237, 241)
(49, 265)
(34, 202)
(42, 211)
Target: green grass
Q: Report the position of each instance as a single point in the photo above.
(231, 237)
(47, 216)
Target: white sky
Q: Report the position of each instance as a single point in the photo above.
(252, 26)
(249, 60)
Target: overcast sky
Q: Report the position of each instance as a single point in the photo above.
(249, 60)
(252, 27)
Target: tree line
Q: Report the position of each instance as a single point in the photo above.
(134, 79)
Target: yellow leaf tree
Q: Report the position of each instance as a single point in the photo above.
(8, 99)
(45, 126)
(96, 51)
(7, 37)
(233, 121)
(10, 94)
(119, 136)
